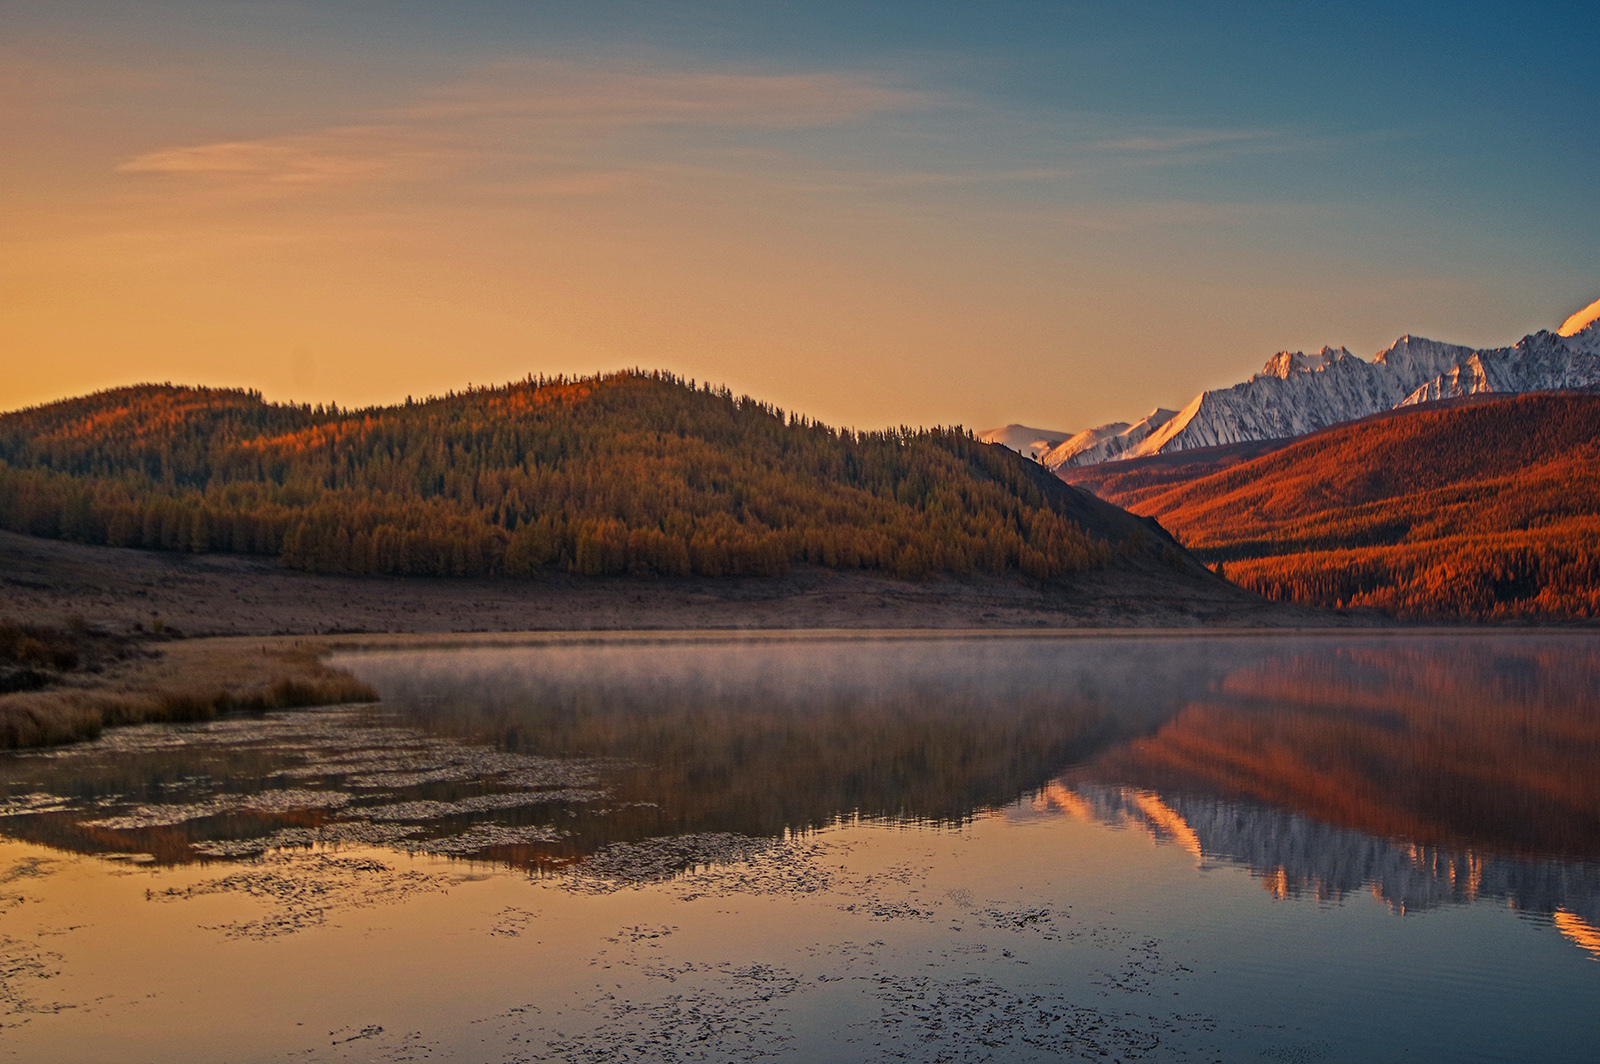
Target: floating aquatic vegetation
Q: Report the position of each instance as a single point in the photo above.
(433, 810)
(303, 890)
(1027, 918)
(972, 1018)
(478, 763)
(632, 864)
(160, 816)
(37, 802)
(355, 832)
(276, 801)
(737, 1018)
(481, 837)
(154, 816)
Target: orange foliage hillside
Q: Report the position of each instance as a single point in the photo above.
(625, 473)
(1489, 510)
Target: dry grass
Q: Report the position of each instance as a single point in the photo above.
(183, 682)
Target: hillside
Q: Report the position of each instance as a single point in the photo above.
(626, 473)
(1486, 509)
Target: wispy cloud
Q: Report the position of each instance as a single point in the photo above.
(629, 136)
(911, 180)
(339, 155)
(1191, 140)
(1173, 214)
(555, 124)
(607, 95)
(1160, 147)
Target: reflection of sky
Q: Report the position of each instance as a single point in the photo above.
(541, 755)
(1041, 915)
(364, 200)
(1220, 926)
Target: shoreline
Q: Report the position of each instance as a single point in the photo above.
(338, 643)
(209, 634)
(190, 680)
(125, 590)
(174, 682)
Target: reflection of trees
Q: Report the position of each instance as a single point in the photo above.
(1482, 741)
(1475, 749)
(756, 739)
(762, 739)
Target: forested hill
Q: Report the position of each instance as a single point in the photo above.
(631, 472)
(1485, 509)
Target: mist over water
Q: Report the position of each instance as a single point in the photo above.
(1046, 838)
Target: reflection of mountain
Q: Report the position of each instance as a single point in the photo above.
(1295, 855)
(1431, 769)
(1428, 771)
(1486, 742)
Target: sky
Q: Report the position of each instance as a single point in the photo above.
(875, 213)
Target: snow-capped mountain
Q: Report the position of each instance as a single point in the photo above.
(1296, 393)
(1579, 325)
(1025, 440)
(1105, 442)
(1543, 360)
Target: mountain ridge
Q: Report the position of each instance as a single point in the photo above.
(1296, 393)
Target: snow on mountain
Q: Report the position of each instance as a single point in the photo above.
(1585, 337)
(1105, 442)
(1582, 321)
(1543, 360)
(1296, 393)
(1024, 440)
(1283, 364)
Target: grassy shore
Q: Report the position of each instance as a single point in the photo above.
(75, 682)
(94, 681)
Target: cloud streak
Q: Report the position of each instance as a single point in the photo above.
(340, 155)
(1190, 140)
(590, 95)
(556, 124)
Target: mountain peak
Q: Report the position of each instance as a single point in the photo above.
(1284, 363)
(1296, 393)
(1024, 439)
(1581, 320)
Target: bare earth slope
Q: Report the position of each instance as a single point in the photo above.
(49, 581)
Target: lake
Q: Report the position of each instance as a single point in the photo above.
(823, 847)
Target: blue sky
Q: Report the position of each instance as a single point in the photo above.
(877, 213)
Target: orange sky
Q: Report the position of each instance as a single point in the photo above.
(872, 241)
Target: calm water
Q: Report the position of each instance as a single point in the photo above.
(834, 849)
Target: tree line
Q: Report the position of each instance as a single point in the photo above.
(1487, 511)
(631, 472)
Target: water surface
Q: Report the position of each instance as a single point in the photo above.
(816, 849)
